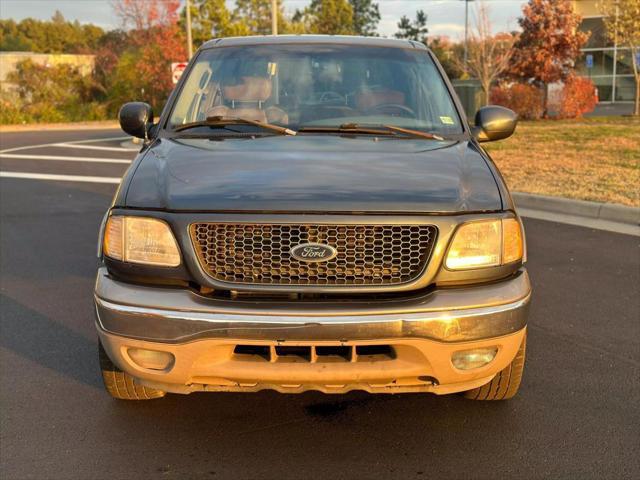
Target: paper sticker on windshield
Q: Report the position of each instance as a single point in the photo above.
(446, 120)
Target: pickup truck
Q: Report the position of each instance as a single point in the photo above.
(312, 213)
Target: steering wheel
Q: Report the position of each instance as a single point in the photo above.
(385, 108)
(332, 98)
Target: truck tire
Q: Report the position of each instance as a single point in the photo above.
(506, 382)
(120, 384)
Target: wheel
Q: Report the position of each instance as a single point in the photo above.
(121, 385)
(506, 383)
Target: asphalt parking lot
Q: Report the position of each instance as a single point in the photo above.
(576, 416)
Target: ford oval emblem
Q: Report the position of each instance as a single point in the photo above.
(313, 252)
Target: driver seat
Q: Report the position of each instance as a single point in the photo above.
(247, 101)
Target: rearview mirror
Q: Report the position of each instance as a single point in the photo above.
(494, 123)
(136, 118)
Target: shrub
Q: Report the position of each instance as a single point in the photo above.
(578, 97)
(57, 93)
(11, 112)
(524, 99)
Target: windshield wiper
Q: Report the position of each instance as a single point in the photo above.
(372, 130)
(415, 133)
(347, 128)
(223, 122)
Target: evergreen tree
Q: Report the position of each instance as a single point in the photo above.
(54, 36)
(413, 30)
(330, 17)
(366, 16)
(212, 19)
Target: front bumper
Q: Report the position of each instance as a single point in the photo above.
(202, 334)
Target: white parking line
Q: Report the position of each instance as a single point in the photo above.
(64, 159)
(5, 154)
(95, 147)
(63, 178)
(92, 140)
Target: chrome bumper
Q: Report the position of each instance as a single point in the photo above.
(176, 315)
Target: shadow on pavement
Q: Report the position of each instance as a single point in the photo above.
(50, 344)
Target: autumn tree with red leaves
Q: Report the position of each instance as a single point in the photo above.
(144, 69)
(549, 44)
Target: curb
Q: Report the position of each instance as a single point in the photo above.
(31, 127)
(609, 212)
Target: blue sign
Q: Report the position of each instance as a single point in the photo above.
(589, 60)
(637, 58)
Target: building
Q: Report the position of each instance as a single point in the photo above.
(607, 64)
(9, 60)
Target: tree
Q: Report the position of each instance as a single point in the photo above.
(54, 36)
(155, 40)
(488, 55)
(111, 47)
(366, 16)
(331, 17)
(142, 15)
(448, 54)
(211, 19)
(11, 39)
(413, 30)
(256, 15)
(549, 44)
(53, 93)
(622, 22)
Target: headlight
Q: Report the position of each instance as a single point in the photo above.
(140, 240)
(487, 243)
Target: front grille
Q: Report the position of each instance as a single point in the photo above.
(260, 253)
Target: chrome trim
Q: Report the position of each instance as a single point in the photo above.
(301, 258)
(225, 319)
(180, 324)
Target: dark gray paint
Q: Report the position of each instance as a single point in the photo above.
(319, 173)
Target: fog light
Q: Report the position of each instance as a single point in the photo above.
(476, 358)
(152, 359)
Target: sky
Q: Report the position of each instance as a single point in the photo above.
(445, 17)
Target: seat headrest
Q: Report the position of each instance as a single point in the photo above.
(252, 89)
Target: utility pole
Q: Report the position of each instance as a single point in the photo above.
(189, 42)
(274, 17)
(466, 30)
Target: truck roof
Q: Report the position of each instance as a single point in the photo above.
(312, 39)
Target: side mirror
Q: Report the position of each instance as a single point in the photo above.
(136, 118)
(494, 123)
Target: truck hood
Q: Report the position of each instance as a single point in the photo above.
(314, 173)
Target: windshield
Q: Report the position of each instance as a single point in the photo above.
(298, 86)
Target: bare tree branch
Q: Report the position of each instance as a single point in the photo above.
(488, 54)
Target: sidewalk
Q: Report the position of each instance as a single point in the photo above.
(611, 109)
